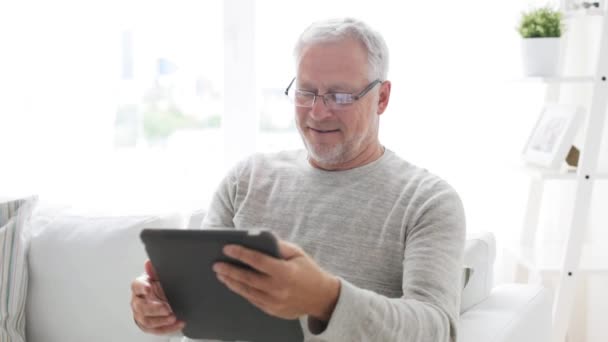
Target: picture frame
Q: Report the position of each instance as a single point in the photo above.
(553, 135)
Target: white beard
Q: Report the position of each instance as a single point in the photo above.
(339, 153)
(333, 155)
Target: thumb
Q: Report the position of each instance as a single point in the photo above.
(289, 250)
(150, 271)
(154, 283)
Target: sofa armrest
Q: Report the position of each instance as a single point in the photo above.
(512, 313)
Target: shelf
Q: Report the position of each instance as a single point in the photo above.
(581, 13)
(557, 174)
(558, 79)
(549, 258)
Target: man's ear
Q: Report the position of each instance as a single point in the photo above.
(384, 96)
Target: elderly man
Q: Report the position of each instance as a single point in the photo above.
(376, 243)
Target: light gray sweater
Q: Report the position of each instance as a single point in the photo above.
(392, 232)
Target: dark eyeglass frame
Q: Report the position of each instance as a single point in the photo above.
(323, 96)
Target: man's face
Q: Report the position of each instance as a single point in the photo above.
(336, 137)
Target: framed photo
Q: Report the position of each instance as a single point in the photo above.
(553, 135)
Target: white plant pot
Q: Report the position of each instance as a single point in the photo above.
(540, 56)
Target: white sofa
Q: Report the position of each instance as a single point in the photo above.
(81, 267)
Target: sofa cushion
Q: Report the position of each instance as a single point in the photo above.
(14, 220)
(81, 269)
(196, 219)
(511, 313)
(479, 255)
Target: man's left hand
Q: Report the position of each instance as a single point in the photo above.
(287, 288)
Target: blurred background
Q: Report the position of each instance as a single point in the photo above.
(156, 99)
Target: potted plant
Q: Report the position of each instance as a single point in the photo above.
(541, 30)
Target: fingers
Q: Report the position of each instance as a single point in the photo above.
(146, 307)
(148, 285)
(255, 296)
(160, 325)
(140, 287)
(257, 260)
(143, 288)
(158, 291)
(167, 329)
(289, 250)
(254, 279)
(154, 316)
(151, 311)
(150, 270)
(148, 322)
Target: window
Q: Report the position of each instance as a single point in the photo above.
(116, 101)
(168, 118)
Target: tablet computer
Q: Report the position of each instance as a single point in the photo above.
(183, 261)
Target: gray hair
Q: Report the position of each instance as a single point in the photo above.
(339, 29)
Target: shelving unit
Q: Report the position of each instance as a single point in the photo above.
(562, 79)
(573, 14)
(546, 259)
(537, 173)
(569, 260)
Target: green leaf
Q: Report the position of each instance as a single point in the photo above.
(541, 22)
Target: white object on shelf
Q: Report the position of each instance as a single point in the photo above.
(553, 135)
(540, 56)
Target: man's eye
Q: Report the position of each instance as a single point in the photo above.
(342, 98)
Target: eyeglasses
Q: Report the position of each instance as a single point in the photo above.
(334, 101)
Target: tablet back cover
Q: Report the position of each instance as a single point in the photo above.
(183, 260)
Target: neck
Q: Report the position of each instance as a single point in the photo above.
(370, 154)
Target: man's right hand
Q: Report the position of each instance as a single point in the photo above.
(151, 310)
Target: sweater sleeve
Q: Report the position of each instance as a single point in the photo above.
(429, 307)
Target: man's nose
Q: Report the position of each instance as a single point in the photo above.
(319, 110)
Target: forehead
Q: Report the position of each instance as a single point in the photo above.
(333, 63)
